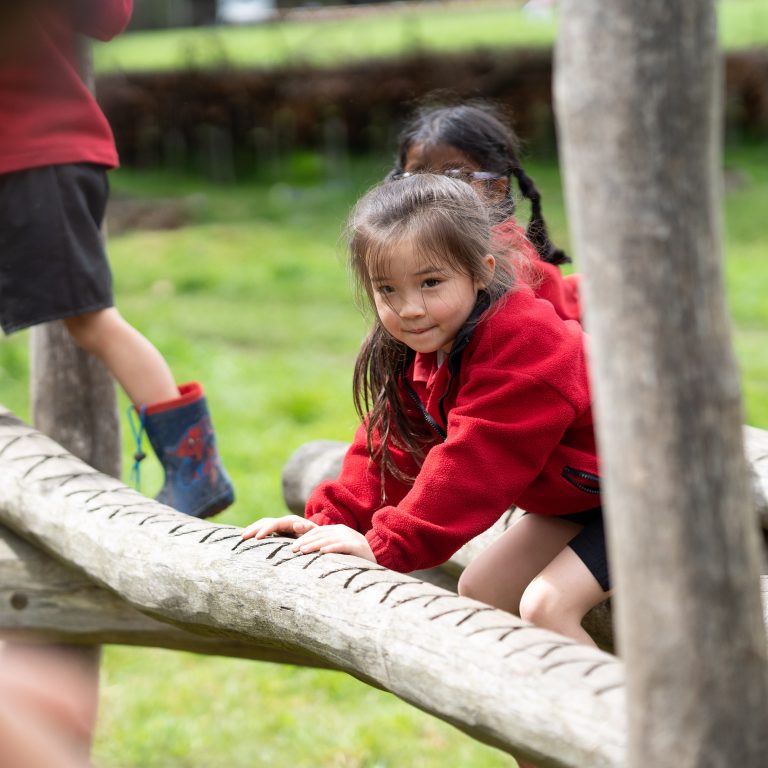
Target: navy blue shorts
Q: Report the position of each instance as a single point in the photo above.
(589, 543)
(52, 258)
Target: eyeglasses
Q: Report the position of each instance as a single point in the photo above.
(455, 173)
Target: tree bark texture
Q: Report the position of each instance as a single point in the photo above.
(637, 89)
(74, 399)
(44, 600)
(507, 683)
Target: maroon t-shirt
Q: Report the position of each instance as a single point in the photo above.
(47, 114)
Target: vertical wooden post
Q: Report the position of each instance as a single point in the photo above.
(637, 89)
(73, 398)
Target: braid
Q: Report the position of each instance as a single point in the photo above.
(537, 228)
(482, 132)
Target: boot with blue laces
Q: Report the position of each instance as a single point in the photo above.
(182, 436)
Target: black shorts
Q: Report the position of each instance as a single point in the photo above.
(52, 258)
(589, 543)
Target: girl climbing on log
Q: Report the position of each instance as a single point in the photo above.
(55, 150)
(473, 397)
(475, 142)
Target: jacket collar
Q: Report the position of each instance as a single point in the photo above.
(464, 336)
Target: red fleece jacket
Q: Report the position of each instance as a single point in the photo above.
(519, 431)
(547, 281)
(47, 114)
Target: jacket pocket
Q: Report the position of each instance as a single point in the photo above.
(584, 481)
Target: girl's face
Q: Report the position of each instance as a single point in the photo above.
(442, 158)
(422, 304)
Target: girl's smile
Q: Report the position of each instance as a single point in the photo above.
(423, 304)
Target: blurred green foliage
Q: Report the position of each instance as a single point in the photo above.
(393, 32)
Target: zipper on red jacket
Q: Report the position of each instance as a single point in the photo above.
(424, 412)
(584, 481)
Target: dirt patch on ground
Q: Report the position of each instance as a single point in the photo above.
(125, 213)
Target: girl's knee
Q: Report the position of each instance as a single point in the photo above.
(470, 586)
(542, 605)
(477, 584)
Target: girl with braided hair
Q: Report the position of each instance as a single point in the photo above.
(471, 141)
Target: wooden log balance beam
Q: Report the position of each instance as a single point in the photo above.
(522, 689)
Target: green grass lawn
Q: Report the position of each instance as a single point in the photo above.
(252, 298)
(743, 23)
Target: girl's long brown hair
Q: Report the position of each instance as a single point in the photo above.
(450, 226)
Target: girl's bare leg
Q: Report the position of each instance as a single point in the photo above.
(131, 358)
(500, 574)
(561, 595)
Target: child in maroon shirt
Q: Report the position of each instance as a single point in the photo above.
(55, 149)
(473, 396)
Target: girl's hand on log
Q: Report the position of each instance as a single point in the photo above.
(290, 524)
(335, 538)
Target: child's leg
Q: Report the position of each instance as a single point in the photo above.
(176, 419)
(500, 574)
(131, 358)
(561, 595)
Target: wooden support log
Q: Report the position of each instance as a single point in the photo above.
(42, 599)
(73, 398)
(520, 688)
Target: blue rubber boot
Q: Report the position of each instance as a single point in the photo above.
(182, 436)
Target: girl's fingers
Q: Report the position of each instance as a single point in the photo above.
(259, 529)
(251, 531)
(323, 536)
(338, 539)
(339, 548)
(311, 533)
(307, 545)
(275, 525)
(314, 534)
(303, 526)
(268, 525)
